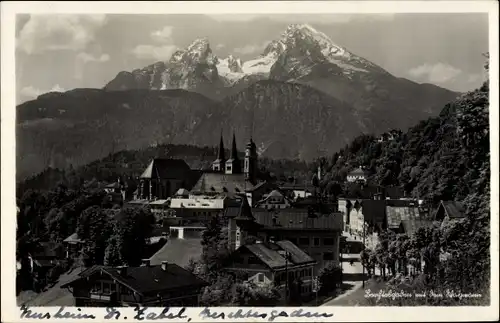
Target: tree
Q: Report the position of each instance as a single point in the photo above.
(250, 294)
(133, 226)
(367, 261)
(329, 278)
(214, 246)
(112, 256)
(219, 292)
(94, 228)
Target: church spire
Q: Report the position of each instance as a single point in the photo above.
(221, 154)
(234, 150)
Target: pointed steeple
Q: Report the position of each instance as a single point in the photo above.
(221, 153)
(234, 150)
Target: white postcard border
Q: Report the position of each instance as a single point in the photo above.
(10, 312)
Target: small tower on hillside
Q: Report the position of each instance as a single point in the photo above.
(250, 167)
(233, 165)
(219, 164)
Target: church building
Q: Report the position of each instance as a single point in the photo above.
(234, 176)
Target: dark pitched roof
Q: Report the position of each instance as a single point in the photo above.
(273, 254)
(178, 251)
(147, 279)
(374, 210)
(455, 210)
(239, 209)
(222, 183)
(396, 214)
(297, 219)
(167, 168)
(297, 255)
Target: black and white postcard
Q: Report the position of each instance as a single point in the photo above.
(250, 161)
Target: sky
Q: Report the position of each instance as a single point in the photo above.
(63, 52)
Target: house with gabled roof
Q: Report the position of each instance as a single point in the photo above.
(316, 231)
(148, 285)
(449, 210)
(273, 263)
(163, 177)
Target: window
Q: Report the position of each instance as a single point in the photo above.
(260, 277)
(328, 241)
(328, 256)
(304, 241)
(316, 242)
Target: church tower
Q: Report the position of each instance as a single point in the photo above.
(250, 168)
(233, 165)
(219, 164)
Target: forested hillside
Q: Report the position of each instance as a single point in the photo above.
(442, 158)
(438, 159)
(129, 164)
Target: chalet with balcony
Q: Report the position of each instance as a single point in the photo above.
(157, 286)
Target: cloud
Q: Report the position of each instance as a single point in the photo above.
(154, 52)
(86, 57)
(220, 46)
(475, 78)
(162, 34)
(435, 73)
(251, 49)
(32, 92)
(58, 32)
(157, 52)
(83, 58)
(305, 18)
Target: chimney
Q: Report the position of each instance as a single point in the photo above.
(122, 270)
(145, 263)
(164, 265)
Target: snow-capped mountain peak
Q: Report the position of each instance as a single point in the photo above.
(296, 33)
(300, 50)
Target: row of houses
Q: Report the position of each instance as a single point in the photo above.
(279, 235)
(368, 217)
